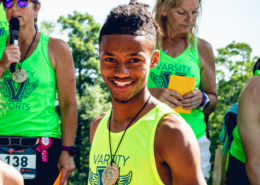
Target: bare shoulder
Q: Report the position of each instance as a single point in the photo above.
(251, 91)
(205, 52)
(59, 52)
(94, 124)
(57, 44)
(10, 175)
(202, 44)
(174, 134)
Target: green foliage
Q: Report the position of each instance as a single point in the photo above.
(233, 68)
(83, 34)
(47, 27)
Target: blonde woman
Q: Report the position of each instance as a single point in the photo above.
(183, 54)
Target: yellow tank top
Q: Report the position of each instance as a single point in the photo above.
(135, 156)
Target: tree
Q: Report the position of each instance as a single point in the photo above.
(47, 27)
(233, 68)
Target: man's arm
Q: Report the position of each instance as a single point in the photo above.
(248, 121)
(176, 144)
(62, 62)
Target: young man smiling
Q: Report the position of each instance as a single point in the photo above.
(141, 140)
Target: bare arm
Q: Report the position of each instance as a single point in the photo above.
(9, 175)
(208, 76)
(61, 58)
(176, 144)
(248, 121)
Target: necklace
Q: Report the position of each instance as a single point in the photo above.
(111, 173)
(20, 75)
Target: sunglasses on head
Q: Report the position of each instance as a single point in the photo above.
(20, 3)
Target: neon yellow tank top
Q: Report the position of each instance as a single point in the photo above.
(135, 156)
(186, 64)
(4, 26)
(31, 104)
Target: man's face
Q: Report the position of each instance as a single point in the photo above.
(125, 61)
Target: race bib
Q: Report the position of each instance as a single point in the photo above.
(23, 160)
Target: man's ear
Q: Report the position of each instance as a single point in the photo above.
(155, 59)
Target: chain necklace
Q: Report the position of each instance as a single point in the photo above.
(111, 173)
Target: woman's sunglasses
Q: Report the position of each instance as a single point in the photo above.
(20, 3)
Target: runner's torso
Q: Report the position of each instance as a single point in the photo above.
(30, 106)
(135, 157)
(186, 64)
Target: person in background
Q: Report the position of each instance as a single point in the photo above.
(184, 54)
(4, 26)
(244, 166)
(30, 130)
(9, 175)
(144, 138)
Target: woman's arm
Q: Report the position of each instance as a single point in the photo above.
(62, 62)
(208, 76)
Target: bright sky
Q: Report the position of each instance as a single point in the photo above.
(221, 22)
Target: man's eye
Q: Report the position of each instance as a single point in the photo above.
(110, 59)
(135, 60)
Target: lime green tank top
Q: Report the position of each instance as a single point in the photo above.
(30, 105)
(236, 148)
(4, 26)
(186, 64)
(135, 156)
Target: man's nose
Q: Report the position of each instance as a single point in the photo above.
(122, 71)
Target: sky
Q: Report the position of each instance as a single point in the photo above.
(221, 21)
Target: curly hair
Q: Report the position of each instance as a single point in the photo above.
(132, 19)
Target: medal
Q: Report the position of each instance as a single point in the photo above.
(110, 174)
(19, 76)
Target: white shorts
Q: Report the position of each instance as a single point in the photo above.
(204, 144)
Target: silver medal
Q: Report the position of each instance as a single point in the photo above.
(19, 76)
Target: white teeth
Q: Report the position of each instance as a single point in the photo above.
(122, 84)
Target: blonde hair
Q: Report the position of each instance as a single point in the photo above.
(164, 5)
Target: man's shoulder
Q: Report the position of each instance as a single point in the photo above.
(251, 91)
(94, 124)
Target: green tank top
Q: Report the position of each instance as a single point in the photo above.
(135, 156)
(236, 148)
(4, 26)
(186, 64)
(31, 104)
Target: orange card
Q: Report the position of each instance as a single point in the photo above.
(182, 85)
(58, 180)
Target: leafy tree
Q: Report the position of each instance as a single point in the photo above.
(233, 68)
(47, 27)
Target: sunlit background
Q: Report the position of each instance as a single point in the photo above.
(221, 21)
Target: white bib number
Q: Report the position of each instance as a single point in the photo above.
(23, 160)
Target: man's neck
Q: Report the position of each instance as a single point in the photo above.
(124, 112)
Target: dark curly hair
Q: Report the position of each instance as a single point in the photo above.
(132, 19)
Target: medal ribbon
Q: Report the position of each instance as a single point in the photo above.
(112, 158)
(42, 147)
